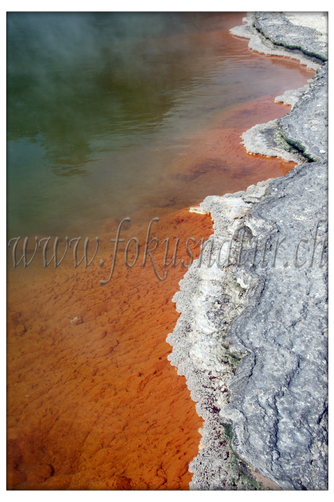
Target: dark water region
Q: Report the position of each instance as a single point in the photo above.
(101, 104)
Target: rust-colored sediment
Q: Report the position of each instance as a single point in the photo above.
(96, 404)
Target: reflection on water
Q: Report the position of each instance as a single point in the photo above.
(100, 106)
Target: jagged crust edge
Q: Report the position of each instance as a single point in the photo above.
(213, 429)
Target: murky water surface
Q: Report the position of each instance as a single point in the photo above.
(102, 106)
(114, 115)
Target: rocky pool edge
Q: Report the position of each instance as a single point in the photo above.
(251, 339)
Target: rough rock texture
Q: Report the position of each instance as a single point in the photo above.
(306, 126)
(252, 335)
(300, 135)
(265, 139)
(260, 43)
(276, 27)
(278, 398)
(292, 96)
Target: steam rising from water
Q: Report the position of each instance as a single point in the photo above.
(81, 85)
(69, 73)
(101, 105)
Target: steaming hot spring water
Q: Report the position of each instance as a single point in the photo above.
(114, 115)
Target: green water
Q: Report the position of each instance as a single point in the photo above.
(100, 104)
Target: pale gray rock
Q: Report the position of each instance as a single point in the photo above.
(276, 27)
(292, 96)
(263, 139)
(252, 336)
(306, 126)
(279, 396)
(260, 43)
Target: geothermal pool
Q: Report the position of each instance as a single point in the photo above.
(113, 116)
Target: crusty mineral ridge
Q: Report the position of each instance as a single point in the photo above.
(252, 335)
(278, 28)
(306, 126)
